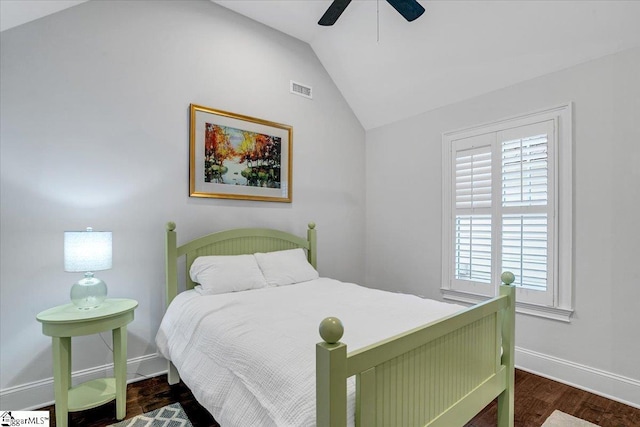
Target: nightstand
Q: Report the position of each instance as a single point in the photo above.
(66, 321)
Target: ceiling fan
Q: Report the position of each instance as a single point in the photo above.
(409, 9)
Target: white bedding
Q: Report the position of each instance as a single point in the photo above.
(249, 357)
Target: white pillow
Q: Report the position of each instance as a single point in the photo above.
(286, 267)
(219, 274)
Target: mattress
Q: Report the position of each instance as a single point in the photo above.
(249, 357)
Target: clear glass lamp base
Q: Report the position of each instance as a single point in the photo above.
(89, 292)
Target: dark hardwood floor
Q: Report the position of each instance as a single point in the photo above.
(536, 398)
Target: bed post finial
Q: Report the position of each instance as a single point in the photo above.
(507, 277)
(171, 226)
(331, 330)
(311, 225)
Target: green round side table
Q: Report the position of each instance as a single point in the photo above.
(66, 321)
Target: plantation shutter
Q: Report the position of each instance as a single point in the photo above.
(507, 206)
(472, 170)
(526, 206)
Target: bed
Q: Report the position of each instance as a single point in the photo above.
(249, 356)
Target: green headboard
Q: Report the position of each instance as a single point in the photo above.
(231, 242)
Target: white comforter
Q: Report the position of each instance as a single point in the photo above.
(249, 357)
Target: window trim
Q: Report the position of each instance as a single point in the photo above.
(562, 308)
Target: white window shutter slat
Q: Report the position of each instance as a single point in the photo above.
(524, 249)
(472, 180)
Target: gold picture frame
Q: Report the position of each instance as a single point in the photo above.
(232, 156)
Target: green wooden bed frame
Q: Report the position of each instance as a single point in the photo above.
(440, 374)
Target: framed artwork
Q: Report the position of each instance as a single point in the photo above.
(232, 156)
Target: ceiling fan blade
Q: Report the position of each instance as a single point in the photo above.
(333, 13)
(410, 9)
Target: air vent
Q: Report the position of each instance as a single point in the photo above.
(301, 89)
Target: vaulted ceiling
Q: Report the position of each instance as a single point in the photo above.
(389, 69)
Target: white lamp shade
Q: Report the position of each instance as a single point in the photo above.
(87, 250)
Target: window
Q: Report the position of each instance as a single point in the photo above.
(507, 206)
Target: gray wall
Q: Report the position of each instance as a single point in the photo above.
(95, 108)
(599, 349)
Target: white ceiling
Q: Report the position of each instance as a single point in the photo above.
(389, 69)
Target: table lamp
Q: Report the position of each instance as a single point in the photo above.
(87, 251)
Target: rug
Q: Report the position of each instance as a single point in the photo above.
(560, 419)
(168, 416)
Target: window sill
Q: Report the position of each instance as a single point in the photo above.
(553, 313)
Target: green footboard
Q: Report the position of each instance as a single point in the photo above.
(441, 374)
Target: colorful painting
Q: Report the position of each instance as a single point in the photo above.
(239, 157)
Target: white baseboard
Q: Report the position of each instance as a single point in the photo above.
(612, 386)
(31, 396)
